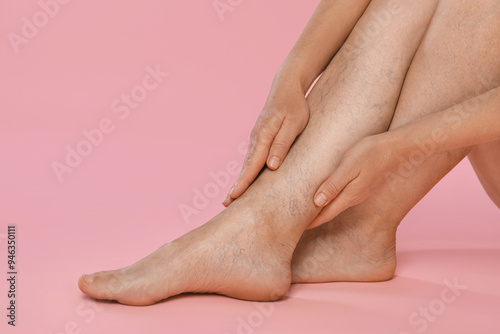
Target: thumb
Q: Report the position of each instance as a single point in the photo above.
(332, 187)
(332, 210)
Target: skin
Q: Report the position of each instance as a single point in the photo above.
(362, 238)
(286, 111)
(280, 123)
(475, 121)
(485, 159)
(246, 251)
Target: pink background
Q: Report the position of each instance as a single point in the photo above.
(124, 199)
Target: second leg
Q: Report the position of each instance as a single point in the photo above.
(359, 244)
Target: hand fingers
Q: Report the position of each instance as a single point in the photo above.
(319, 220)
(253, 164)
(332, 210)
(332, 187)
(334, 195)
(282, 142)
(255, 159)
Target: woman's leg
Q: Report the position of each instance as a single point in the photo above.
(245, 252)
(457, 59)
(485, 158)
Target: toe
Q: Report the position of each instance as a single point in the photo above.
(115, 285)
(102, 285)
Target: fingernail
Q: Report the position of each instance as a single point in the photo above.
(88, 278)
(231, 191)
(320, 199)
(226, 201)
(274, 162)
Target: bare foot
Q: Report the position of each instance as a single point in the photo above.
(348, 249)
(239, 257)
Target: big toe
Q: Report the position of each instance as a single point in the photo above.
(117, 285)
(102, 285)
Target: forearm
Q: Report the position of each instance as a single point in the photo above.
(474, 121)
(324, 34)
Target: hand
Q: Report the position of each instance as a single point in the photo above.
(283, 118)
(362, 170)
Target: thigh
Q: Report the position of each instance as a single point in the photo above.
(457, 59)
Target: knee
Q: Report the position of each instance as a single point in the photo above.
(458, 154)
(485, 159)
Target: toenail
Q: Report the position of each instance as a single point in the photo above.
(88, 278)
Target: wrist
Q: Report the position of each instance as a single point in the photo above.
(292, 74)
(393, 142)
(287, 82)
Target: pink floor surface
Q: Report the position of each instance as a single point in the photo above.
(127, 194)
